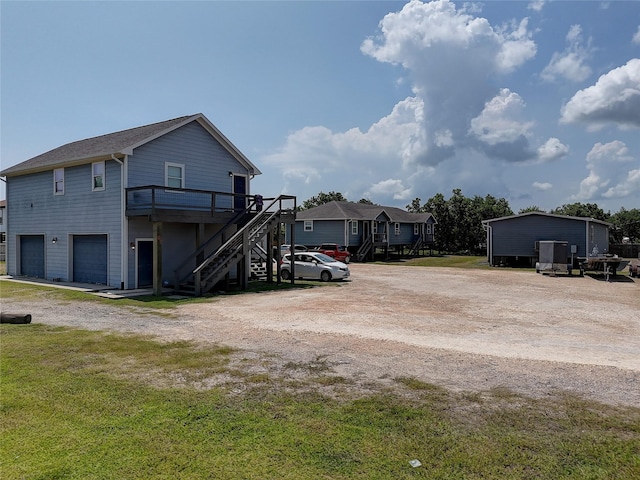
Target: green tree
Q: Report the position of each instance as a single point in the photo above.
(483, 209)
(532, 208)
(460, 219)
(414, 206)
(587, 210)
(625, 223)
(321, 199)
(438, 207)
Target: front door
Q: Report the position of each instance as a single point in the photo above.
(144, 263)
(240, 190)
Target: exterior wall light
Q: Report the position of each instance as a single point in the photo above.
(132, 245)
(54, 240)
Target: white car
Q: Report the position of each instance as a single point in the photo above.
(313, 265)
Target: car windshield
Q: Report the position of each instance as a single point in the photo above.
(324, 258)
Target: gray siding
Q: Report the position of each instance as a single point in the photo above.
(324, 231)
(355, 240)
(517, 236)
(405, 237)
(207, 163)
(36, 210)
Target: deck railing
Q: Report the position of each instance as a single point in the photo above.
(151, 198)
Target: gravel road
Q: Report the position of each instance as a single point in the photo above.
(465, 330)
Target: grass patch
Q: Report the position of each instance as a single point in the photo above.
(25, 291)
(79, 404)
(454, 261)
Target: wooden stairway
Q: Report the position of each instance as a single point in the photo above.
(213, 268)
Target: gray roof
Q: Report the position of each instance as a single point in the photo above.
(543, 214)
(118, 144)
(360, 211)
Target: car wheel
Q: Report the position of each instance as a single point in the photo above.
(285, 274)
(347, 259)
(325, 276)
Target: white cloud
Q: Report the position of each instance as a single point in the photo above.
(505, 134)
(393, 188)
(613, 172)
(313, 154)
(536, 5)
(571, 63)
(542, 186)
(424, 38)
(499, 122)
(552, 150)
(458, 129)
(615, 98)
(636, 36)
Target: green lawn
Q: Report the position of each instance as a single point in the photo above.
(89, 405)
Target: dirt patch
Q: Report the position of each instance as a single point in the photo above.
(466, 330)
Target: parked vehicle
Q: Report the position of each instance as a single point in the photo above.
(286, 248)
(314, 265)
(335, 251)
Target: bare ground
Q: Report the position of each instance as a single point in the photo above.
(465, 330)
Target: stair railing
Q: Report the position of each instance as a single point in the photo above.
(230, 252)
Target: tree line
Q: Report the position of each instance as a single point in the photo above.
(459, 218)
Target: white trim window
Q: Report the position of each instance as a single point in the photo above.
(308, 225)
(375, 227)
(58, 181)
(396, 228)
(354, 227)
(416, 229)
(97, 176)
(174, 175)
(429, 229)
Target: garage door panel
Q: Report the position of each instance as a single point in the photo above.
(90, 259)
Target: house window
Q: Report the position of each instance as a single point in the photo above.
(396, 228)
(416, 229)
(97, 176)
(354, 227)
(1, 216)
(174, 175)
(429, 229)
(375, 227)
(58, 181)
(308, 225)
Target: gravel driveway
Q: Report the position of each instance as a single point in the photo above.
(466, 330)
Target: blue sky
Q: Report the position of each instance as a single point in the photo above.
(534, 101)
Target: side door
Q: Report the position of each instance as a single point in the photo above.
(304, 267)
(239, 192)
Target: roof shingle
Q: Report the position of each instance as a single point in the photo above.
(335, 210)
(94, 148)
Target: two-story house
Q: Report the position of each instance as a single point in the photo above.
(364, 229)
(166, 204)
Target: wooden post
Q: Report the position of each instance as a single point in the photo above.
(199, 241)
(157, 258)
(270, 257)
